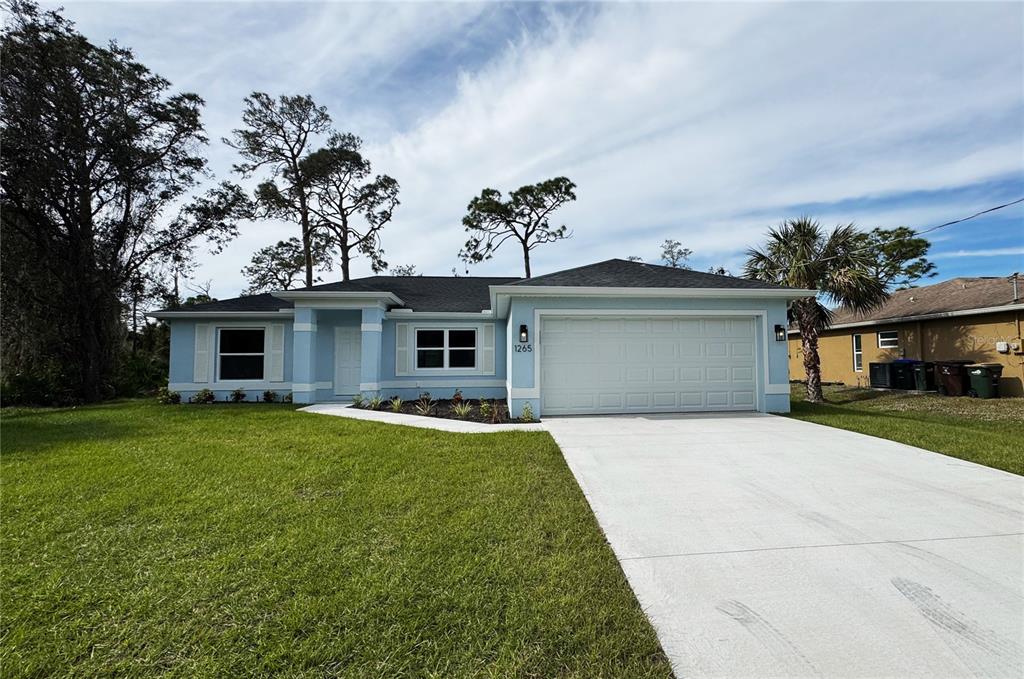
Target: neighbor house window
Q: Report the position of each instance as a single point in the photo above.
(858, 354)
(889, 339)
(240, 354)
(445, 348)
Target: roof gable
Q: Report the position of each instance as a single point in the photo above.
(621, 273)
(457, 294)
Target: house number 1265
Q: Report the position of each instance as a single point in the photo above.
(523, 348)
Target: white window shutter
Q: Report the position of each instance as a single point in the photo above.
(487, 349)
(201, 367)
(401, 349)
(276, 370)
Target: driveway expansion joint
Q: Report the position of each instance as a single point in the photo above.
(836, 544)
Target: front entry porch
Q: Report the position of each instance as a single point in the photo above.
(337, 352)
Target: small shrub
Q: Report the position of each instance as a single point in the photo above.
(204, 396)
(457, 396)
(237, 396)
(486, 409)
(396, 404)
(375, 403)
(269, 396)
(357, 400)
(462, 410)
(167, 397)
(498, 413)
(527, 414)
(425, 404)
(287, 398)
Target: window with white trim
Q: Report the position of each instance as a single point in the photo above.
(858, 354)
(240, 353)
(889, 339)
(445, 348)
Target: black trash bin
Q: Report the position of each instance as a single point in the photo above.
(984, 379)
(902, 371)
(924, 376)
(951, 377)
(880, 375)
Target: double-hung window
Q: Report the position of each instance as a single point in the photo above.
(889, 339)
(858, 354)
(240, 353)
(446, 348)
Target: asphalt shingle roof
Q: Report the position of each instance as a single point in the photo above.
(958, 294)
(426, 293)
(264, 302)
(472, 293)
(621, 273)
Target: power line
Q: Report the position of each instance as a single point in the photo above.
(976, 214)
(867, 248)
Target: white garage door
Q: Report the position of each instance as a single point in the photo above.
(642, 364)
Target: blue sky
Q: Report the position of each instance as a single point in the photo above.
(705, 123)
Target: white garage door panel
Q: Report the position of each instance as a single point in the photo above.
(647, 364)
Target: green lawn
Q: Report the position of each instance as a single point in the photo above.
(986, 431)
(252, 539)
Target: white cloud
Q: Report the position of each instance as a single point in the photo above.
(676, 120)
(703, 123)
(992, 252)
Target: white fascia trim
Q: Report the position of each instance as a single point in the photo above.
(312, 298)
(439, 315)
(213, 315)
(507, 291)
(597, 291)
(922, 317)
(768, 336)
(371, 327)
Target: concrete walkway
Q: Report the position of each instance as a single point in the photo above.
(439, 423)
(764, 546)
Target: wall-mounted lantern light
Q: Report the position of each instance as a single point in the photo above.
(780, 333)
(524, 334)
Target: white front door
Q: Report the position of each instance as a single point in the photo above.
(347, 353)
(647, 364)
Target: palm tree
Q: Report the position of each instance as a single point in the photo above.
(800, 254)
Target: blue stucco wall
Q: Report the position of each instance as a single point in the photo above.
(441, 386)
(322, 343)
(318, 351)
(182, 358)
(522, 312)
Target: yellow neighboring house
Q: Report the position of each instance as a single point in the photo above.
(978, 319)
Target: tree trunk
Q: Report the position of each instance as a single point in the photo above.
(345, 259)
(307, 237)
(526, 259)
(812, 362)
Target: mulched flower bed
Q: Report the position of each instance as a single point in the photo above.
(443, 408)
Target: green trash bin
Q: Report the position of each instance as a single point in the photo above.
(984, 379)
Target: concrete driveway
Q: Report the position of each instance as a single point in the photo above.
(763, 546)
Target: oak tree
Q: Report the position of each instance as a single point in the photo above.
(100, 166)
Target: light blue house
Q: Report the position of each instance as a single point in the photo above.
(612, 337)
